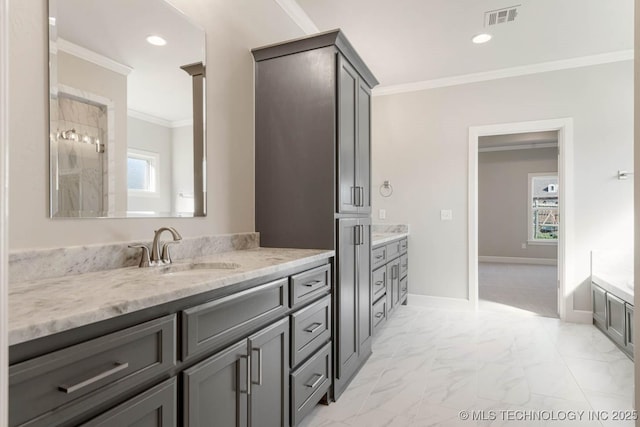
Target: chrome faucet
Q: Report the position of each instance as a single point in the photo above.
(156, 259)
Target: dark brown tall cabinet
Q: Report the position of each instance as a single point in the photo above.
(313, 172)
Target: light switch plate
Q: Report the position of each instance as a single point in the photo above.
(446, 215)
(382, 214)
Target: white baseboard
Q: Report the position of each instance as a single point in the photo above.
(440, 302)
(518, 260)
(579, 316)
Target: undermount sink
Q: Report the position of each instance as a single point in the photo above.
(197, 268)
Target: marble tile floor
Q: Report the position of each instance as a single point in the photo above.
(526, 287)
(429, 364)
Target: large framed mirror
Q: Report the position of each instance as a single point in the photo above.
(127, 131)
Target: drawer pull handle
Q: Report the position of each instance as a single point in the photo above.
(379, 315)
(313, 327)
(316, 382)
(379, 256)
(82, 384)
(379, 283)
(312, 283)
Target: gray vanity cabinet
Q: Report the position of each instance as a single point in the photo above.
(614, 317)
(243, 385)
(391, 263)
(353, 337)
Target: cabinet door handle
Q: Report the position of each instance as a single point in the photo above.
(312, 283)
(259, 351)
(86, 383)
(379, 283)
(379, 256)
(356, 235)
(360, 196)
(379, 315)
(248, 383)
(354, 196)
(313, 327)
(316, 382)
(361, 234)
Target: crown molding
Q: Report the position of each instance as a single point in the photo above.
(542, 67)
(298, 15)
(91, 56)
(157, 120)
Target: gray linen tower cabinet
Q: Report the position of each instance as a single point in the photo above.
(313, 173)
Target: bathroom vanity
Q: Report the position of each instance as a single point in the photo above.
(237, 338)
(390, 283)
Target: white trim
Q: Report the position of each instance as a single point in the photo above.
(298, 15)
(517, 260)
(542, 67)
(564, 127)
(91, 56)
(148, 118)
(579, 316)
(4, 208)
(507, 147)
(439, 302)
(542, 242)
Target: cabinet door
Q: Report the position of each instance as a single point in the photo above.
(269, 399)
(347, 103)
(393, 286)
(346, 339)
(599, 302)
(155, 407)
(365, 323)
(615, 318)
(363, 163)
(629, 328)
(215, 390)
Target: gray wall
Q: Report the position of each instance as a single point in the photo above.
(233, 28)
(420, 144)
(503, 181)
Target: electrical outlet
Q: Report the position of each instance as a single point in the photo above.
(446, 215)
(524, 246)
(382, 214)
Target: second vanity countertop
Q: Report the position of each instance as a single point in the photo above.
(382, 238)
(44, 307)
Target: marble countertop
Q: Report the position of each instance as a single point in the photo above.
(381, 238)
(38, 308)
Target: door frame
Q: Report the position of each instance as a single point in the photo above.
(4, 211)
(564, 127)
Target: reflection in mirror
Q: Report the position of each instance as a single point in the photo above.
(126, 110)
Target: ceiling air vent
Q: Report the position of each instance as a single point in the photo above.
(501, 16)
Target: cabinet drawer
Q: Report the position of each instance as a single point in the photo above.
(310, 284)
(404, 265)
(155, 407)
(219, 322)
(378, 256)
(311, 328)
(393, 249)
(309, 383)
(404, 288)
(379, 310)
(378, 283)
(95, 371)
(404, 245)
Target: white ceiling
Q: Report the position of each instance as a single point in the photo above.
(117, 29)
(410, 41)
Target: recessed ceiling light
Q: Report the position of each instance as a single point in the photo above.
(156, 40)
(481, 38)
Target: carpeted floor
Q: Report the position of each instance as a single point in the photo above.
(527, 287)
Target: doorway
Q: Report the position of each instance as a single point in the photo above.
(518, 222)
(564, 129)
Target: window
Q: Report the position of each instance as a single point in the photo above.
(142, 171)
(543, 207)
